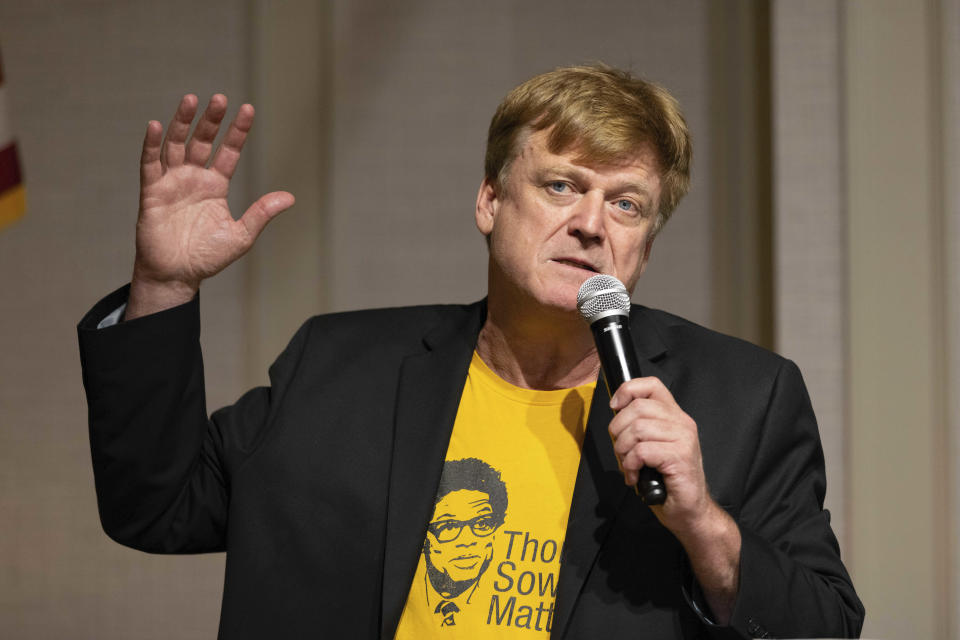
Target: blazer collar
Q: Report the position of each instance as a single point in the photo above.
(428, 396)
(647, 334)
(599, 493)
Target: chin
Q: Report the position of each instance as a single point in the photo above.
(551, 294)
(563, 299)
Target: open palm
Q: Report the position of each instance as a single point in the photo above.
(185, 232)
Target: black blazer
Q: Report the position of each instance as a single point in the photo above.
(320, 487)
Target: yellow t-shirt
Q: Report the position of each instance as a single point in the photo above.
(491, 557)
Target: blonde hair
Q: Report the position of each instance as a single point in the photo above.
(603, 113)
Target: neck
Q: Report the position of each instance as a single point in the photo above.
(537, 349)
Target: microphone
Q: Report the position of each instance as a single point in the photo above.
(604, 303)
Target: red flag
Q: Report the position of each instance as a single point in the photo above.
(12, 192)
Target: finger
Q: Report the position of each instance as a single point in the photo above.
(264, 210)
(201, 142)
(640, 431)
(640, 409)
(640, 456)
(649, 387)
(173, 145)
(150, 168)
(228, 155)
(630, 465)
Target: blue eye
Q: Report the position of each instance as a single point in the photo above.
(626, 205)
(559, 187)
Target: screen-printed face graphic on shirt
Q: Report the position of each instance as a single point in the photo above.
(470, 506)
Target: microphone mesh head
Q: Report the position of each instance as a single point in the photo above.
(602, 295)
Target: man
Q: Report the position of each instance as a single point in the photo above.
(584, 165)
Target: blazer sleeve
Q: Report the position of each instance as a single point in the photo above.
(792, 581)
(161, 466)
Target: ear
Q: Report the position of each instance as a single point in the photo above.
(487, 205)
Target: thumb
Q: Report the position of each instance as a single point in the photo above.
(263, 211)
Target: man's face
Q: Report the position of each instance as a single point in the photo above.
(558, 222)
(460, 536)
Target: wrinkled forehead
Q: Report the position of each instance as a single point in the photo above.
(641, 158)
(589, 151)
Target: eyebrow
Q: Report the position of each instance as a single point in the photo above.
(579, 174)
(472, 504)
(482, 501)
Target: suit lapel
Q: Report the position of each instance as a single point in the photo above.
(597, 496)
(599, 493)
(428, 395)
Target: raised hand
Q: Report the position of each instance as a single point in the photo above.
(185, 232)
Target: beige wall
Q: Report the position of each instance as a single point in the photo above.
(374, 115)
(287, 272)
(949, 67)
(809, 220)
(898, 324)
(865, 237)
(82, 80)
(949, 19)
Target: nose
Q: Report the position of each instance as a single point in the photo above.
(587, 218)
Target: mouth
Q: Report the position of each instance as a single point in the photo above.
(577, 264)
(465, 561)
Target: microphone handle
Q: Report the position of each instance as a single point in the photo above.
(619, 364)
